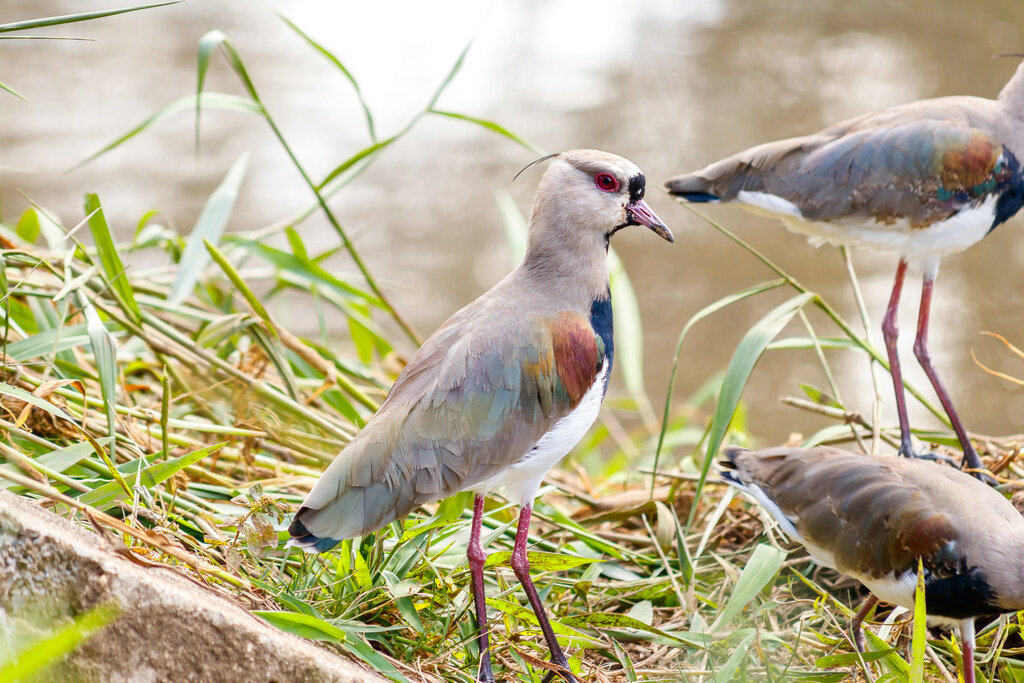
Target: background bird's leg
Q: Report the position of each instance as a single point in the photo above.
(967, 649)
(890, 332)
(521, 566)
(477, 557)
(857, 623)
(971, 458)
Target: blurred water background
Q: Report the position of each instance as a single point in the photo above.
(670, 85)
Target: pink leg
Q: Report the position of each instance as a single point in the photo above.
(477, 557)
(521, 566)
(857, 622)
(890, 332)
(967, 649)
(971, 458)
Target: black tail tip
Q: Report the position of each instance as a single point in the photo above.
(696, 197)
(309, 542)
(730, 455)
(690, 189)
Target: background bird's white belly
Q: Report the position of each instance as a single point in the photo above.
(519, 482)
(922, 247)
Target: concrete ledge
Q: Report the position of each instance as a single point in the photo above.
(170, 629)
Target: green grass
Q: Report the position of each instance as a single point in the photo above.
(179, 405)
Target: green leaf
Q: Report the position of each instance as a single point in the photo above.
(51, 341)
(341, 67)
(739, 653)
(697, 317)
(515, 225)
(7, 88)
(206, 100)
(109, 258)
(303, 625)
(356, 158)
(28, 225)
(236, 280)
(57, 460)
(456, 67)
(491, 126)
(819, 396)
(526, 614)
(208, 228)
(850, 658)
(542, 561)
(603, 621)
(34, 659)
(448, 511)
(40, 403)
(104, 351)
(629, 335)
(762, 566)
(920, 633)
(104, 496)
(378, 662)
(892, 660)
(72, 18)
(742, 363)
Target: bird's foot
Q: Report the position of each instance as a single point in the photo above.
(984, 477)
(976, 470)
(564, 673)
(934, 457)
(974, 466)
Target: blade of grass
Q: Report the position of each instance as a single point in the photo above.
(216, 38)
(104, 351)
(341, 67)
(491, 126)
(206, 100)
(72, 18)
(208, 229)
(106, 495)
(742, 363)
(762, 566)
(697, 317)
(52, 648)
(919, 639)
(866, 346)
(109, 258)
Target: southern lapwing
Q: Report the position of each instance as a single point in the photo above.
(924, 180)
(503, 389)
(873, 517)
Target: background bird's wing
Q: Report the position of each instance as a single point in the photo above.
(468, 405)
(882, 167)
(858, 509)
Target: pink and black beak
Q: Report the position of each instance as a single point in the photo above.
(639, 213)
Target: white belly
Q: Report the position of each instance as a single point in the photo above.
(922, 247)
(519, 482)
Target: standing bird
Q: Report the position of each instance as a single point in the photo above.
(874, 517)
(503, 389)
(925, 180)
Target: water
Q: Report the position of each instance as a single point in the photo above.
(670, 85)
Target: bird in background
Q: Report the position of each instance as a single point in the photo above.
(874, 517)
(503, 390)
(924, 180)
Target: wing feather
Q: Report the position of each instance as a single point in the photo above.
(466, 406)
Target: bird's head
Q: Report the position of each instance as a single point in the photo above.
(593, 193)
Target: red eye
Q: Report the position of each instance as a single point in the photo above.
(606, 182)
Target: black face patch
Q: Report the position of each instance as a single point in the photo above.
(636, 187)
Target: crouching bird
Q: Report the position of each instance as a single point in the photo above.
(873, 518)
(924, 180)
(503, 389)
